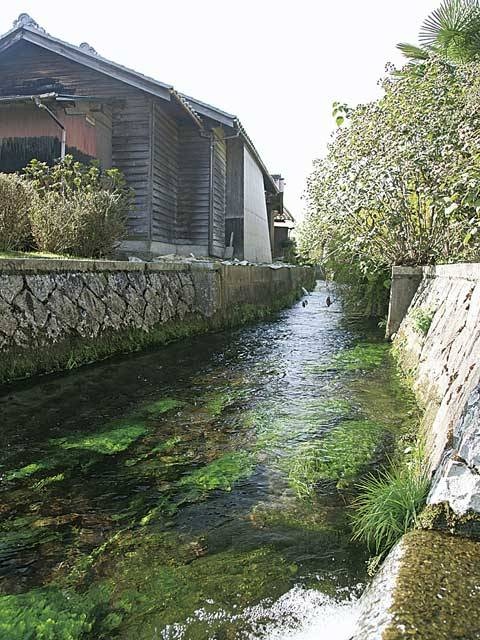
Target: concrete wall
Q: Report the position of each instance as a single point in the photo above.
(405, 281)
(256, 232)
(58, 313)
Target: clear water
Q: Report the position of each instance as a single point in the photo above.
(184, 518)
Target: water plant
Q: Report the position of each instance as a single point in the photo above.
(163, 406)
(389, 505)
(106, 442)
(27, 471)
(221, 473)
(50, 614)
(363, 356)
(219, 401)
(162, 588)
(342, 455)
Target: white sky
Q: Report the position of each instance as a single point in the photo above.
(278, 65)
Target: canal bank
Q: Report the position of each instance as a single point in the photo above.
(166, 494)
(60, 314)
(429, 585)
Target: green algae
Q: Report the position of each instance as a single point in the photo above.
(51, 614)
(309, 516)
(163, 447)
(362, 357)
(220, 474)
(341, 456)
(160, 592)
(277, 426)
(21, 534)
(437, 595)
(27, 471)
(107, 442)
(159, 407)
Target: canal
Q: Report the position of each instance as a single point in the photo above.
(201, 490)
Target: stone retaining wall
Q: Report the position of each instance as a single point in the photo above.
(438, 343)
(59, 313)
(428, 585)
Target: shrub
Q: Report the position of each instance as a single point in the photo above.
(77, 209)
(15, 200)
(388, 506)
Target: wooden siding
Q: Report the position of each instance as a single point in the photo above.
(194, 187)
(28, 69)
(164, 175)
(131, 131)
(219, 193)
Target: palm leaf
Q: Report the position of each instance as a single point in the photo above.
(412, 52)
(452, 25)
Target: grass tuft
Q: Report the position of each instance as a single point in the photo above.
(389, 505)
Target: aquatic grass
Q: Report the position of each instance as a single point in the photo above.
(221, 473)
(107, 442)
(21, 534)
(163, 447)
(218, 402)
(45, 482)
(389, 505)
(341, 456)
(363, 356)
(277, 426)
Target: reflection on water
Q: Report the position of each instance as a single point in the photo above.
(200, 490)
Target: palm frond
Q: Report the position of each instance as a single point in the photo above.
(412, 52)
(451, 25)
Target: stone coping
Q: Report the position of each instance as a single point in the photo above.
(59, 265)
(454, 271)
(54, 265)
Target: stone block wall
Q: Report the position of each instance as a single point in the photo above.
(56, 313)
(438, 342)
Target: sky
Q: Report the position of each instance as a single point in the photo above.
(278, 65)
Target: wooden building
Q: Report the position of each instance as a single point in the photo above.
(283, 224)
(199, 183)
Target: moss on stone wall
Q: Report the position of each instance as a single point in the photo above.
(18, 363)
(436, 595)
